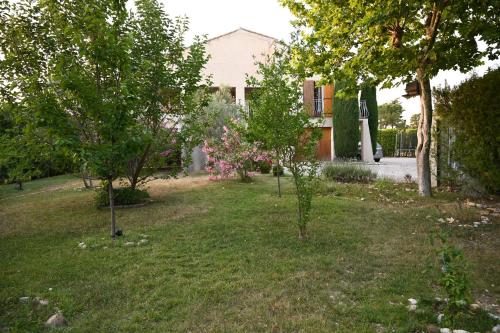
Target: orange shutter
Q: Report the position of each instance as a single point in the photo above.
(328, 100)
(309, 96)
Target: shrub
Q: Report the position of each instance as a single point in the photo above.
(278, 169)
(471, 112)
(348, 173)
(123, 196)
(387, 139)
(264, 167)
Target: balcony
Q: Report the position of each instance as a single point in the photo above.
(318, 107)
(363, 110)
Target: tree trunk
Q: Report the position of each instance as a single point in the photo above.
(112, 206)
(424, 135)
(302, 232)
(279, 184)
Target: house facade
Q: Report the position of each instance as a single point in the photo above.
(232, 59)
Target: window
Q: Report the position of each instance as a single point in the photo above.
(318, 101)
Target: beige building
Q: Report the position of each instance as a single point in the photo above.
(232, 59)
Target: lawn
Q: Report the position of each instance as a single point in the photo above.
(225, 257)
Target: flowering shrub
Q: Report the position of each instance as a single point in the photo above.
(232, 155)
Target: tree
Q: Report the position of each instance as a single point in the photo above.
(391, 115)
(345, 120)
(473, 119)
(369, 94)
(394, 41)
(280, 121)
(167, 84)
(220, 110)
(414, 119)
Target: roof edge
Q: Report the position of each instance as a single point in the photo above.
(240, 28)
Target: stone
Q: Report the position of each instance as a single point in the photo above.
(412, 301)
(24, 299)
(56, 320)
(440, 317)
(477, 224)
(460, 331)
(82, 245)
(432, 329)
(445, 330)
(142, 241)
(474, 306)
(412, 307)
(129, 244)
(496, 329)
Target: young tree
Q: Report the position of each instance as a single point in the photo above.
(167, 83)
(414, 119)
(281, 123)
(392, 41)
(391, 115)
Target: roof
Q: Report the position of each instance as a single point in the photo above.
(242, 29)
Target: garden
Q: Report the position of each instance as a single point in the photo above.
(104, 229)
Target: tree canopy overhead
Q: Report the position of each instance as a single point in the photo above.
(395, 41)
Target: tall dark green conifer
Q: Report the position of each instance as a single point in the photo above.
(345, 121)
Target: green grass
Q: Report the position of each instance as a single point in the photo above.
(225, 257)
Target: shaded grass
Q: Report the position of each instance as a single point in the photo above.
(225, 257)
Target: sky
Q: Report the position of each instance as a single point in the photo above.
(216, 17)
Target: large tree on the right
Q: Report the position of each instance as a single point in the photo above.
(389, 42)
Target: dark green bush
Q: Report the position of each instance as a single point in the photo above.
(345, 121)
(264, 167)
(123, 197)
(387, 139)
(471, 111)
(278, 169)
(348, 173)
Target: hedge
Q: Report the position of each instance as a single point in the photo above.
(345, 122)
(387, 139)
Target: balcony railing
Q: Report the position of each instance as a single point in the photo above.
(318, 107)
(363, 110)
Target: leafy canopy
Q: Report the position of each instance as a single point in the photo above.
(386, 41)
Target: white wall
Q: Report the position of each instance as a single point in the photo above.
(232, 57)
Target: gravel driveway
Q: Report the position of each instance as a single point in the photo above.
(395, 167)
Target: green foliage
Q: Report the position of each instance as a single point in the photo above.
(369, 94)
(454, 279)
(391, 115)
(220, 110)
(279, 121)
(345, 121)
(469, 117)
(264, 167)
(387, 139)
(278, 169)
(348, 173)
(123, 196)
(414, 120)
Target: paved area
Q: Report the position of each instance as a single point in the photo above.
(395, 167)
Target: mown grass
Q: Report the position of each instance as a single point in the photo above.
(225, 257)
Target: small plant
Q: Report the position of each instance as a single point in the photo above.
(278, 170)
(347, 173)
(453, 279)
(123, 196)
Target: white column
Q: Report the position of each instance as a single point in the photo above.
(366, 142)
(240, 95)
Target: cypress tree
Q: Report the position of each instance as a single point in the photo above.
(345, 122)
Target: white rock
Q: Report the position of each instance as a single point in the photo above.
(450, 219)
(496, 329)
(412, 301)
(143, 241)
(440, 317)
(43, 302)
(24, 299)
(460, 331)
(56, 320)
(476, 224)
(441, 220)
(129, 244)
(474, 306)
(412, 307)
(82, 245)
(445, 330)
(50, 289)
